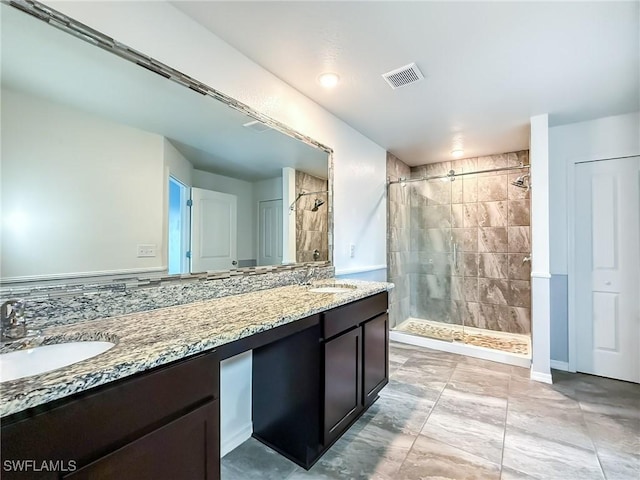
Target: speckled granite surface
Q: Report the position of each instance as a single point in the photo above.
(156, 337)
(61, 304)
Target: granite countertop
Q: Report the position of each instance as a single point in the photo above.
(156, 337)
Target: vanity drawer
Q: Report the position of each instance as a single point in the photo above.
(343, 318)
(109, 417)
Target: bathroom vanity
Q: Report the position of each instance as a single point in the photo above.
(149, 407)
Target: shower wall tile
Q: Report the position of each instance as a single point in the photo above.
(436, 286)
(492, 161)
(441, 168)
(457, 215)
(519, 320)
(488, 286)
(398, 214)
(466, 239)
(520, 293)
(493, 265)
(457, 191)
(457, 264)
(471, 289)
(398, 239)
(492, 214)
(492, 239)
(470, 261)
(470, 211)
(518, 268)
(457, 288)
(519, 240)
(438, 240)
(433, 263)
(398, 261)
(494, 291)
(465, 165)
(312, 228)
(516, 193)
(436, 216)
(438, 192)
(471, 314)
(491, 188)
(417, 194)
(470, 189)
(523, 157)
(519, 212)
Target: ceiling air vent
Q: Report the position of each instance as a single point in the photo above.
(257, 126)
(403, 76)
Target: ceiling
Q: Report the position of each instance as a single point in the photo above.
(48, 63)
(488, 66)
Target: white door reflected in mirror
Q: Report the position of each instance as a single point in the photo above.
(214, 230)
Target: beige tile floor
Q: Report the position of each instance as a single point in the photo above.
(446, 416)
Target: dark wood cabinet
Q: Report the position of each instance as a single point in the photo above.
(302, 406)
(342, 382)
(159, 424)
(179, 449)
(375, 356)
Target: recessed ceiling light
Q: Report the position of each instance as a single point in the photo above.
(457, 153)
(329, 79)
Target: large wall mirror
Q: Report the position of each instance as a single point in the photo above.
(110, 168)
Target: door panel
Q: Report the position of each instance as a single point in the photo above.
(343, 382)
(607, 259)
(214, 229)
(375, 337)
(270, 233)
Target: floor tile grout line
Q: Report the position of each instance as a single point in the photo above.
(593, 443)
(504, 432)
(427, 419)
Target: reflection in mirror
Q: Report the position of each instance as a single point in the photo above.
(110, 168)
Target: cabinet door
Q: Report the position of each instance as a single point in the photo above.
(186, 448)
(342, 383)
(375, 343)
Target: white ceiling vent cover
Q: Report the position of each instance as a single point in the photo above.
(403, 76)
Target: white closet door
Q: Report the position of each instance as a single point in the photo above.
(607, 270)
(214, 230)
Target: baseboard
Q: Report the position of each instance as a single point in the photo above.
(541, 377)
(240, 436)
(558, 365)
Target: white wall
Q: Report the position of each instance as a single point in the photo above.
(609, 137)
(159, 30)
(540, 277)
(246, 211)
(269, 189)
(89, 191)
(179, 167)
(176, 40)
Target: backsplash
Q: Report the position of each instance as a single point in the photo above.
(61, 304)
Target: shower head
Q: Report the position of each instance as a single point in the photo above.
(317, 204)
(522, 182)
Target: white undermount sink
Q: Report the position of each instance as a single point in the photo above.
(33, 361)
(332, 289)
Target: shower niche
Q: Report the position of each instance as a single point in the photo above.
(459, 251)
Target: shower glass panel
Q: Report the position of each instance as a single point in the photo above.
(464, 273)
(433, 254)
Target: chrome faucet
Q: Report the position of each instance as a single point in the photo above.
(13, 323)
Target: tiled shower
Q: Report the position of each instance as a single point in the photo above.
(459, 251)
